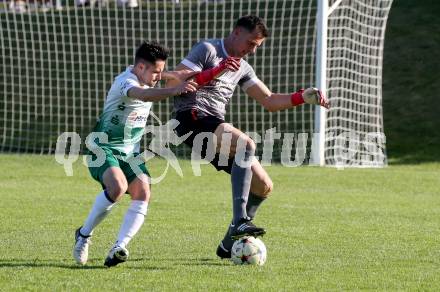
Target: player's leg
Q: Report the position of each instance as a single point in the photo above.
(261, 186)
(240, 178)
(139, 190)
(115, 184)
(135, 215)
(242, 148)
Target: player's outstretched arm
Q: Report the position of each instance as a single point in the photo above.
(181, 70)
(202, 78)
(206, 76)
(276, 101)
(157, 94)
(178, 76)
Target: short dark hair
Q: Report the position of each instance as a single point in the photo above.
(251, 22)
(151, 52)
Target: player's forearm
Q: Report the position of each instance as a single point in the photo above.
(206, 76)
(181, 72)
(277, 101)
(178, 76)
(273, 101)
(152, 94)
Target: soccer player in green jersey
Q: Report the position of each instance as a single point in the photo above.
(121, 126)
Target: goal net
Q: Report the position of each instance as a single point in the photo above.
(59, 61)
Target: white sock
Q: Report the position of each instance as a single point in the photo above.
(133, 220)
(100, 209)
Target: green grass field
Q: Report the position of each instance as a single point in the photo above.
(328, 229)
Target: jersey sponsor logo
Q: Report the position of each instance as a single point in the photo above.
(140, 119)
(137, 117)
(132, 116)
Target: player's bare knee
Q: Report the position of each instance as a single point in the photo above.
(142, 195)
(263, 189)
(266, 188)
(139, 188)
(117, 190)
(147, 197)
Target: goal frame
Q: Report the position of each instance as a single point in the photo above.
(324, 11)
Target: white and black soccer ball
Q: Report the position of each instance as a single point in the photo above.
(249, 251)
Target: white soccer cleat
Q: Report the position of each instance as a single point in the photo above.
(116, 256)
(81, 248)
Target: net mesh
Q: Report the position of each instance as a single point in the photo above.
(354, 77)
(59, 63)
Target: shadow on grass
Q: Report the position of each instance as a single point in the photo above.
(189, 261)
(67, 263)
(15, 263)
(204, 262)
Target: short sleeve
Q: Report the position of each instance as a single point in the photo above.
(126, 84)
(248, 77)
(199, 56)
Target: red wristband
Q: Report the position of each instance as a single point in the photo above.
(207, 76)
(296, 98)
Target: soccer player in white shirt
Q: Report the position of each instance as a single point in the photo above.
(123, 120)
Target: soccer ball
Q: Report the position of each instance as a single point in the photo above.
(249, 251)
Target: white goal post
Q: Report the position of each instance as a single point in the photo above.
(59, 60)
(350, 40)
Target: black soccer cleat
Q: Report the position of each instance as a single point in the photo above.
(116, 256)
(222, 252)
(245, 227)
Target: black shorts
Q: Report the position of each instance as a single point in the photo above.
(198, 122)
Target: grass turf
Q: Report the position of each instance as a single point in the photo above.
(327, 229)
